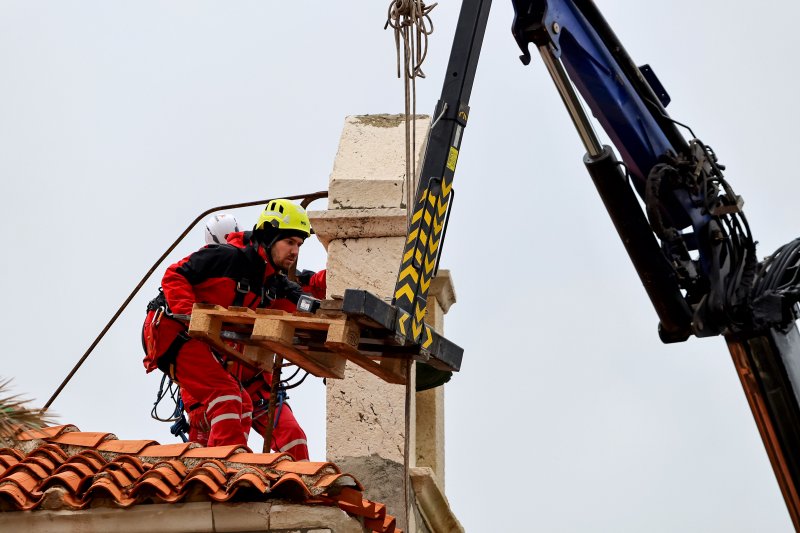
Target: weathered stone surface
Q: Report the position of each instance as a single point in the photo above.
(372, 147)
(444, 291)
(170, 518)
(358, 223)
(360, 194)
(361, 423)
(309, 518)
(432, 502)
(234, 517)
(370, 264)
(430, 431)
(430, 403)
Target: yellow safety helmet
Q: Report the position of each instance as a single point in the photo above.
(281, 219)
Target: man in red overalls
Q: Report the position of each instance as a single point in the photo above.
(250, 274)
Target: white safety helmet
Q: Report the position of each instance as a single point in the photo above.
(218, 227)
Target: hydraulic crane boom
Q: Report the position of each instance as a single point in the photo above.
(690, 244)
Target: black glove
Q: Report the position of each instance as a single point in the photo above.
(304, 276)
(283, 287)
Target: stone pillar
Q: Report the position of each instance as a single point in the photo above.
(364, 231)
(430, 403)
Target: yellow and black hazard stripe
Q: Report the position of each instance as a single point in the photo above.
(421, 252)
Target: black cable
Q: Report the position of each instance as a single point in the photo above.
(290, 378)
(293, 385)
(664, 115)
(173, 390)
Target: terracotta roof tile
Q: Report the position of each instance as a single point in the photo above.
(264, 459)
(166, 450)
(330, 480)
(212, 470)
(24, 480)
(62, 468)
(155, 487)
(167, 472)
(46, 433)
(306, 467)
(386, 523)
(88, 457)
(291, 486)
(252, 478)
(50, 452)
(125, 446)
(69, 480)
(215, 452)
(7, 454)
(106, 487)
(17, 498)
(79, 438)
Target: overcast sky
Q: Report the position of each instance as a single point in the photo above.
(121, 121)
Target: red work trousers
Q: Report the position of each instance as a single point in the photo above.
(223, 410)
(287, 436)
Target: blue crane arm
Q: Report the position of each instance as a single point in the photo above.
(703, 254)
(620, 95)
(691, 244)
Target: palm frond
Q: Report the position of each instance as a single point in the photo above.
(16, 416)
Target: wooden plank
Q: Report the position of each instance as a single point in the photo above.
(207, 306)
(258, 357)
(393, 367)
(307, 321)
(343, 337)
(332, 361)
(343, 332)
(277, 334)
(234, 315)
(320, 369)
(275, 312)
(271, 328)
(208, 328)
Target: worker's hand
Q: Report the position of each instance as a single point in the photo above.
(282, 287)
(304, 276)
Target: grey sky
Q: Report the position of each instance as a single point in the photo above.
(121, 121)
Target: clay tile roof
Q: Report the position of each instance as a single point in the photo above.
(63, 468)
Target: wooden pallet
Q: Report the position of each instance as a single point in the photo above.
(319, 343)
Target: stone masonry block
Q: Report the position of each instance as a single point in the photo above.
(372, 149)
(309, 518)
(370, 264)
(362, 422)
(365, 194)
(443, 290)
(358, 223)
